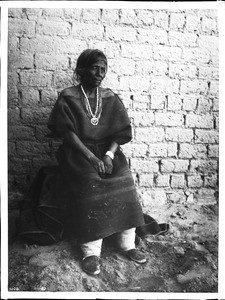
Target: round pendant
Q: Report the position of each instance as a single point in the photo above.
(94, 121)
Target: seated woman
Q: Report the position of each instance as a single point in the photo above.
(93, 123)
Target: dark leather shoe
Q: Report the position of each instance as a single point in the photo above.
(136, 256)
(91, 265)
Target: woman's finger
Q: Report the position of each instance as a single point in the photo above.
(101, 168)
(110, 169)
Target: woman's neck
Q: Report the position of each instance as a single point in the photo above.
(89, 91)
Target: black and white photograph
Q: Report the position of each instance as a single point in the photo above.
(110, 181)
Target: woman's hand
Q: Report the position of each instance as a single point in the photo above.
(108, 164)
(97, 164)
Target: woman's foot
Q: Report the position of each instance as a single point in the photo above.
(136, 256)
(91, 265)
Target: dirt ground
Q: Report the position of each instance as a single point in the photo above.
(183, 260)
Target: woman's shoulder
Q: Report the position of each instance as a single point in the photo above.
(107, 92)
(70, 91)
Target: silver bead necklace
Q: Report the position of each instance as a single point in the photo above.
(94, 116)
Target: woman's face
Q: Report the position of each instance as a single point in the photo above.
(94, 74)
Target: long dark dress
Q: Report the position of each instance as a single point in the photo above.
(105, 204)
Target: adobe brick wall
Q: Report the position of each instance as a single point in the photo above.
(163, 63)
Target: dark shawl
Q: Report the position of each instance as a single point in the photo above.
(69, 113)
(109, 203)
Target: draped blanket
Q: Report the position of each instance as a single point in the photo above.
(77, 198)
(48, 213)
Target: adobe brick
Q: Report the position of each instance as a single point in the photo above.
(135, 150)
(117, 33)
(48, 97)
(110, 49)
(20, 132)
(204, 166)
(179, 134)
(128, 17)
(154, 36)
(206, 136)
(174, 165)
(137, 51)
(182, 39)
(33, 13)
(192, 23)
(145, 17)
(50, 62)
(208, 73)
(21, 27)
(168, 119)
(158, 101)
(146, 180)
(204, 105)
(189, 102)
(34, 116)
(19, 165)
(209, 26)
(20, 61)
(15, 12)
(178, 181)
(160, 68)
(211, 180)
(12, 149)
(41, 131)
(40, 44)
(196, 55)
(13, 80)
(165, 85)
(192, 151)
(166, 53)
(199, 121)
(14, 115)
(194, 181)
(163, 180)
(110, 16)
(214, 88)
(35, 78)
(214, 56)
(91, 14)
(149, 134)
(193, 86)
(177, 21)
(208, 42)
(147, 165)
(161, 20)
(73, 13)
(182, 71)
(86, 31)
(122, 66)
(135, 82)
(29, 96)
(31, 148)
(213, 151)
(143, 118)
(206, 196)
(53, 12)
(46, 27)
(174, 102)
(62, 79)
(162, 150)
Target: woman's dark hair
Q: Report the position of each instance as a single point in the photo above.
(86, 59)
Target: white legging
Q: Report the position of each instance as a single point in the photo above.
(126, 240)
